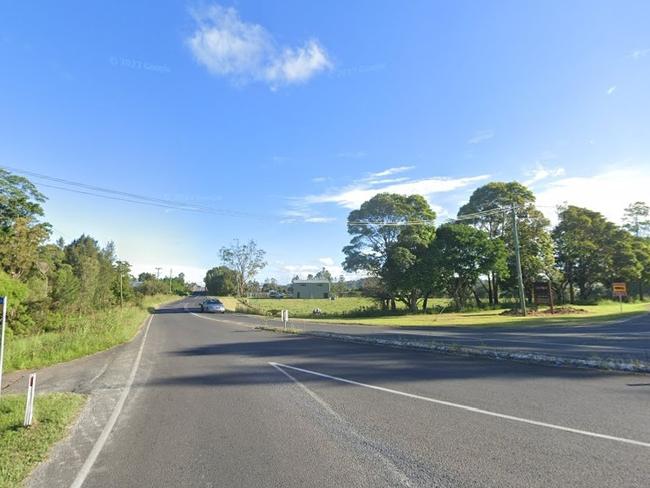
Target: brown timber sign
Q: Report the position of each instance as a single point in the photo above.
(619, 289)
(543, 293)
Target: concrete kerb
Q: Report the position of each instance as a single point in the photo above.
(629, 366)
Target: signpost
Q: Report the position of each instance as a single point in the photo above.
(3, 300)
(619, 289)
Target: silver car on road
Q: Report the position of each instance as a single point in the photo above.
(212, 305)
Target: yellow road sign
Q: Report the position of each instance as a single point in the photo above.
(619, 289)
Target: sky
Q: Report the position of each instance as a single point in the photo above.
(273, 120)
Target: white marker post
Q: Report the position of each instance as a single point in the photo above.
(285, 318)
(2, 336)
(29, 405)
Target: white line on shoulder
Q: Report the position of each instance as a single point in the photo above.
(101, 440)
(467, 407)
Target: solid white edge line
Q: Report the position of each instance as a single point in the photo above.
(466, 407)
(103, 437)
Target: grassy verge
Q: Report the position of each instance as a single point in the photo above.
(594, 313)
(342, 307)
(83, 335)
(21, 449)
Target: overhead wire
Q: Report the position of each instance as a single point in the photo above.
(111, 194)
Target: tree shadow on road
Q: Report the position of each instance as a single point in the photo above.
(364, 363)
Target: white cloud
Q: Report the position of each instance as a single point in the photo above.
(353, 196)
(326, 261)
(607, 192)
(319, 220)
(639, 53)
(541, 172)
(481, 136)
(243, 51)
(391, 171)
(611, 89)
(301, 213)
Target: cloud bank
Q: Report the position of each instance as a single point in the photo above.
(244, 52)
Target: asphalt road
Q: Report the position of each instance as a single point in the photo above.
(216, 403)
(628, 339)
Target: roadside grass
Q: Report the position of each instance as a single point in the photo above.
(82, 335)
(601, 312)
(303, 307)
(21, 449)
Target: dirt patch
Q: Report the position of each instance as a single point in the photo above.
(566, 310)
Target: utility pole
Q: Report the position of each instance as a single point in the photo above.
(170, 281)
(158, 273)
(520, 278)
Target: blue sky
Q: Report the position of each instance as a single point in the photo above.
(296, 112)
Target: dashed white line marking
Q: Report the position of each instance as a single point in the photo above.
(466, 407)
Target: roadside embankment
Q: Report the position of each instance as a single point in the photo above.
(82, 335)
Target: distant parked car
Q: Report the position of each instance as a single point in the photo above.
(212, 305)
(276, 294)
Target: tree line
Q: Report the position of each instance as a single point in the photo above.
(46, 281)
(472, 259)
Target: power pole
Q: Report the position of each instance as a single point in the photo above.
(121, 292)
(158, 273)
(520, 278)
(170, 281)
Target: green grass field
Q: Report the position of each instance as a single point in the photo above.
(303, 308)
(351, 310)
(21, 449)
(595, 313)
(83, 335)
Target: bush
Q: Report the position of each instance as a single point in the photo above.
(18, 318)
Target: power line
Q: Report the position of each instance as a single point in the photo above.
(107, 193)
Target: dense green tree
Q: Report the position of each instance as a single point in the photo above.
(19, 246)
(461, 254)
(142, 277)
(489, 209)
(18, 318)
(592, 250)
(221, 281)
(390, 233)
(21, 233)
(65, 288)
(19, 199)
(642, 251)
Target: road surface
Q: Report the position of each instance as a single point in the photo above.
(628, 339)
(217, 404)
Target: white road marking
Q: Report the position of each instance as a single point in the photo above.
(101, 440)
(222, 320)
(400, 476)
(466, 407)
